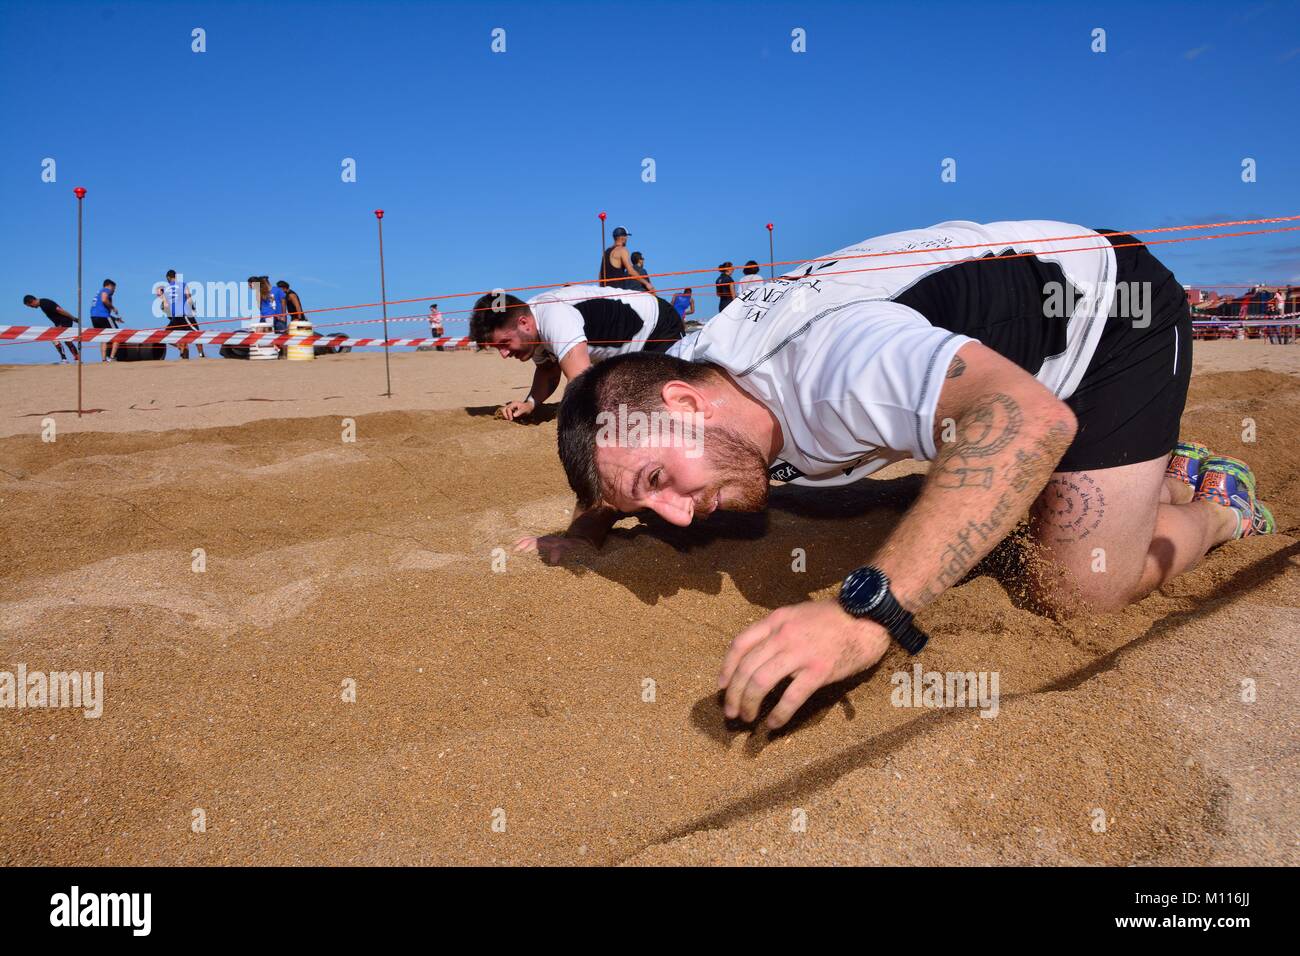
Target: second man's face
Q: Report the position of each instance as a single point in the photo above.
(514, 340)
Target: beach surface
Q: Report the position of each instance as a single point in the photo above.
(319, 648)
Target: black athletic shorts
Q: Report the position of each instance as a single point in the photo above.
(668, 328)
(101, 322)
(182, 322)
(1130, 401)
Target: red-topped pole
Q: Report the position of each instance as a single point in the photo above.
(601, 274)
(383, 300)
(80, 193)
(771, 254)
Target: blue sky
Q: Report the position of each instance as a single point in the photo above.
(492, 166)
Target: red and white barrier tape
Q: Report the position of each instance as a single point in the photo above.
(1289, 318)
(242, 339)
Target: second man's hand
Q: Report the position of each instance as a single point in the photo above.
(513, 411)
(551, 548)
(587, 530)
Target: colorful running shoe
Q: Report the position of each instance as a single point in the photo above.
(1185, 463)
(1231, 483)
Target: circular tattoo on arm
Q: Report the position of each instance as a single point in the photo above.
(989, 427)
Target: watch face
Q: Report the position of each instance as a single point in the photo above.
(862, 590)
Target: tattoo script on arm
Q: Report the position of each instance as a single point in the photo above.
(975, 459)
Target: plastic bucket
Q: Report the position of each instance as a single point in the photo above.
(299, 329)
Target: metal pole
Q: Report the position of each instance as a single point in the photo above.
(81, 346)
(771, 254)
(601, 274)
(383, 300)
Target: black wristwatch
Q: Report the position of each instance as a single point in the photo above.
(865, 594)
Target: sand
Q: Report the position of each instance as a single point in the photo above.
(505, 716)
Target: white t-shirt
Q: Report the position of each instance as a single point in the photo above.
(854, 376)
(747, 282)
(610, 321)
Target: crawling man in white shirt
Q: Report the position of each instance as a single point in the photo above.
(1040, 367)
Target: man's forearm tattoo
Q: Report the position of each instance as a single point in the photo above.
(988, 428)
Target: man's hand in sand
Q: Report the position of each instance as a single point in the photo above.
(816, 643)
(513, 411)
(552, 548)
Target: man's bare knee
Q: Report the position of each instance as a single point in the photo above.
(1064, 593)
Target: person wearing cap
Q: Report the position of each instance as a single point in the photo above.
(725, 286)
(616, 268)
(178, 307)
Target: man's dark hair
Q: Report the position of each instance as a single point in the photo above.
(636, 380)
(282, 284)
(29, 299)
(171, 273)
(110, 282)
(493, 311)
(751, 268)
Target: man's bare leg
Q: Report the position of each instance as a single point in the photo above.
(1122, 532)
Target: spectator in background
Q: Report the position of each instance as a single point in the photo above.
(102, 313)
(270, 304)
(752, 276)
(266, 300)
(436, 328)
(684, 303)
(725, 287)
(178, 307)
(57, 316)
(280, 313)
(1291, 307)
(638, 264)
(616, 267)
(292, 304)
